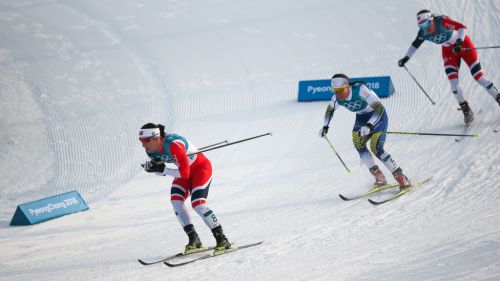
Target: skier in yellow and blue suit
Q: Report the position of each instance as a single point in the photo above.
(371, 123)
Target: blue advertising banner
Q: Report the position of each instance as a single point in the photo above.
(48, 208)
(314, 90)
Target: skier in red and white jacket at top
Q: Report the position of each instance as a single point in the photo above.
(456, 45)
(192, 176)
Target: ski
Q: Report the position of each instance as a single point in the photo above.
(212, 255)
(369, 192)
(146, 261)
(469, 126)
(401, 192)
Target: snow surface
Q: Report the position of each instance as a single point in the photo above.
(78, 78)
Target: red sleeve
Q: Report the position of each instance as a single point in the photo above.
(448, 23)
(178, 151)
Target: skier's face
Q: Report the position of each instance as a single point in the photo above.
(342, 92)
(425, 20)
(152, 144)
(429, 27)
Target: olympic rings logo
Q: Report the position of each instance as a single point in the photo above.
(439, 38)
(354, 105)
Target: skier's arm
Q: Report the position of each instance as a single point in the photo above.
(455, 25)
(328, 117)
(452, 24)
(414, 46)
(461, 34)
(378, 110)
(329, 113)
(178, 151)
(373, 102)
(411, 50)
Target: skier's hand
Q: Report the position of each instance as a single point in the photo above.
(458, 46)
(403, 61)
(153, 167)
(365, 130)
(323, 131)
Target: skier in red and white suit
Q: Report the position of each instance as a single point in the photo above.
(456, 45)
(192, 176)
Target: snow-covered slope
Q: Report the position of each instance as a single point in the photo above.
(78, 78)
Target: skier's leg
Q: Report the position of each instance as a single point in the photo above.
(389, 163)
(377, 147)
(457, 90)
(202, 177)
(364, 153)
(472, 60)
(178, 194)
(464, 105)
(490, 88)
(451, 67)
(377, 140)
(198, 202)
(367, 159)
(360, 143)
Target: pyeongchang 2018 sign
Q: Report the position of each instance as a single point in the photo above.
(48, 208)
(314, 90)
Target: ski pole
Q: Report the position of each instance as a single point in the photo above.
(479, 48)
(231, 143)
(431, 134)
(212, 145)
(418, 84)
(334, 151)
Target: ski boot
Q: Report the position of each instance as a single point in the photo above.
(379, 176)
(401, 179)
(194, 240)
(220, 239)
(468, 114)
(498, 98)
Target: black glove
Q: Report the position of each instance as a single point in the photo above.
(323, 131)
(458, 46)
(402, 61)
(153, 167)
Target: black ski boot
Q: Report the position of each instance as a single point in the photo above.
(468, 114)
(194, 239)
(221, 240)
(498, 98)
